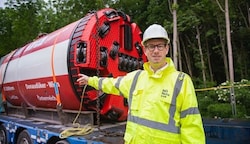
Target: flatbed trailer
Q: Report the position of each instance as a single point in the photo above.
(45, 130)
(227, 131)
(15, 129)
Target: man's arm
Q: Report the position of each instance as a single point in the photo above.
(192, 130)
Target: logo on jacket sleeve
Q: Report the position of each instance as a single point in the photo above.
(164, 93)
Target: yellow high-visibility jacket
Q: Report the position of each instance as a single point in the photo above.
(163, 107)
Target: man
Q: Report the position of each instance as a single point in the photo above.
(162, 102)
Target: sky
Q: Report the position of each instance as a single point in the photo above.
(2, 3)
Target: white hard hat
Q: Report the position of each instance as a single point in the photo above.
(155, 31)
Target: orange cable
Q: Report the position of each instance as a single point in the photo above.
(58, 99)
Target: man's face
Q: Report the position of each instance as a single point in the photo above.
(156, 51)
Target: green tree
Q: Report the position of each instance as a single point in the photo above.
(5, 32)
(20, 22)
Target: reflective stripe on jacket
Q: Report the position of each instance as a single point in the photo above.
(162, 106)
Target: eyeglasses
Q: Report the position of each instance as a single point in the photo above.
(152, 47)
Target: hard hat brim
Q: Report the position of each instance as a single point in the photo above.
(167, 39)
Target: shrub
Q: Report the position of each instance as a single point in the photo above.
(222, 110)
(216, 101)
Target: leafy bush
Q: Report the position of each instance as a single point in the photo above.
(216, 101)
(218, 110)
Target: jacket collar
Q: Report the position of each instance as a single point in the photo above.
(169, 68)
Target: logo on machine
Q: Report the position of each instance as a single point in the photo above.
(46, 98)
(8, 88)
(37, 85)
(52, 85)
(36, 43)
(14, 97)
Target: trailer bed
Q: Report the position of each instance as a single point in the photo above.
(41, 131)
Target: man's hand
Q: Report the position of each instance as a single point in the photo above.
(83, 80)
